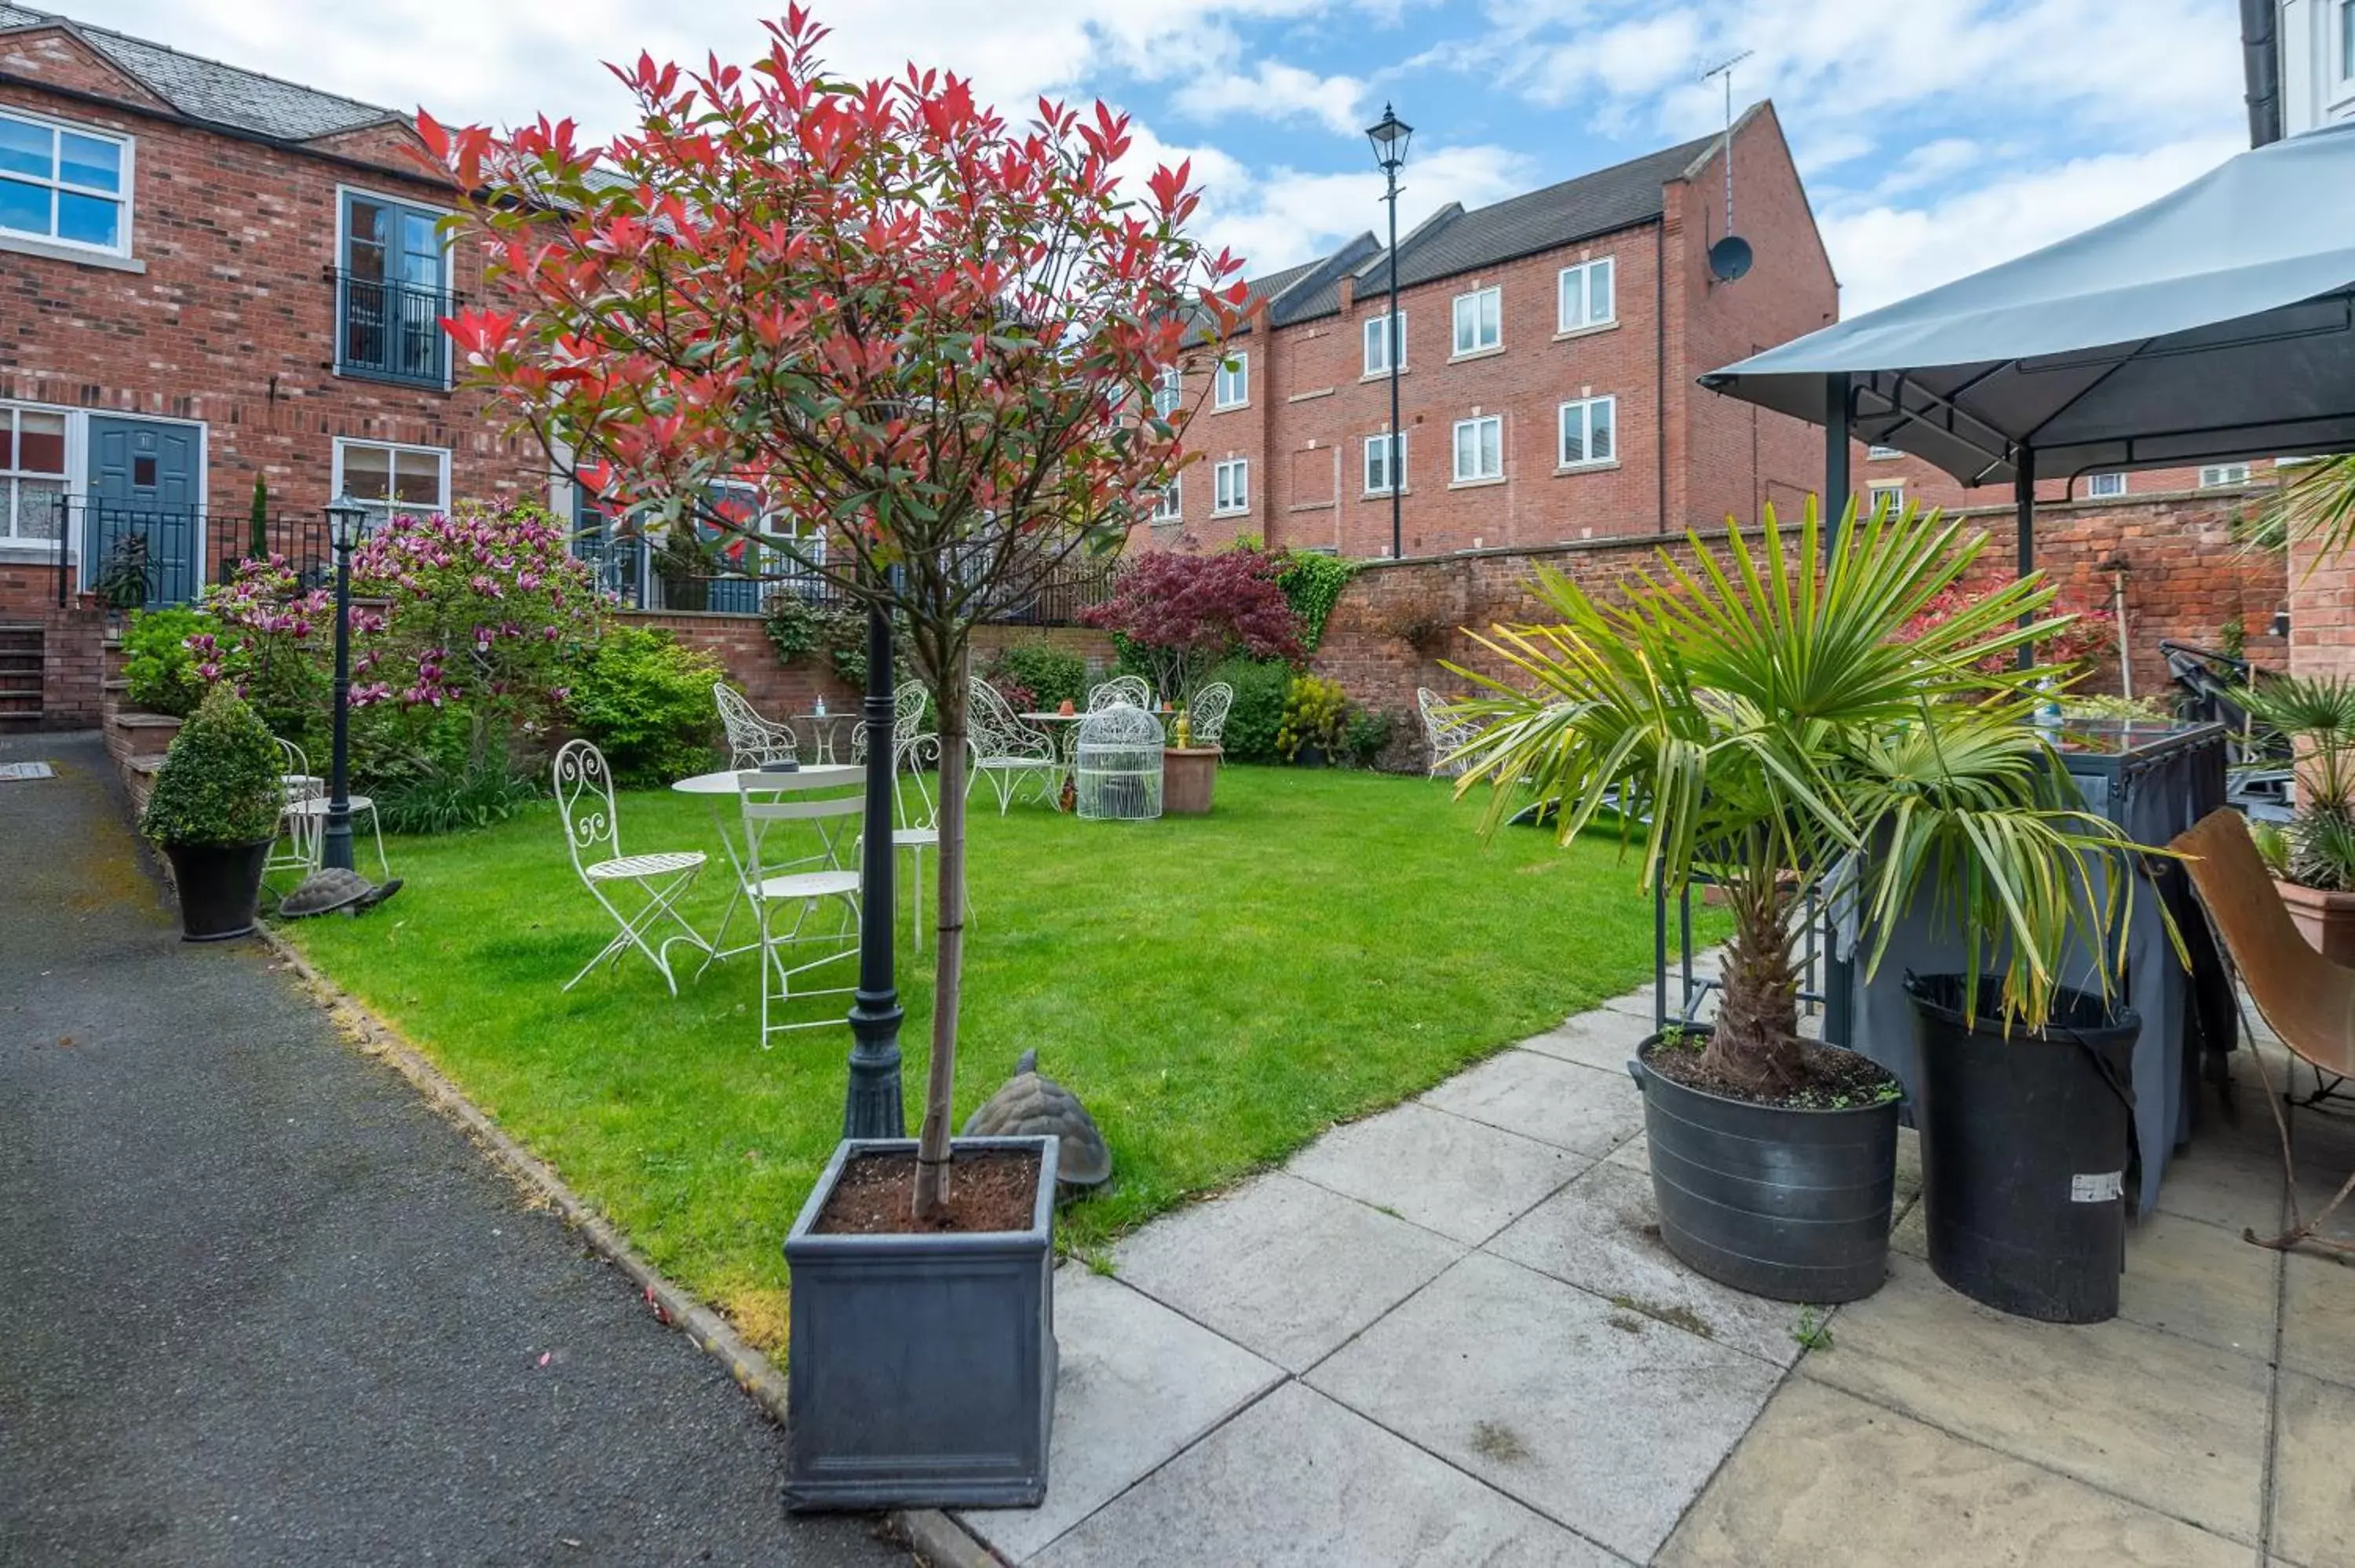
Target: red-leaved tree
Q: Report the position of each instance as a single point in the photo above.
(1183, 613)
(926, 334)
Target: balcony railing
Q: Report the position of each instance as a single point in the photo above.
(392, 330)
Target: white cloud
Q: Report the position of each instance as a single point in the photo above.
(1285, 215)
(1883, 252)
(1276, 92)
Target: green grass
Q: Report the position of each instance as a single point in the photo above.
(1217, 990)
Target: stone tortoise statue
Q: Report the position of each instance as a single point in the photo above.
(1032, 1105)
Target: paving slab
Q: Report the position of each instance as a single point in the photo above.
(2325, 1142)
(1826, 1477)
(2318, 1317)
(1606, 1421)
(1136, 1384)
(1463, 1178)
(2314, 1482)
(1297, 1481)
(1604, 1039)
(2161, 1420)
(1585, 1110)
(1602, 1233)
(1282, 1266)
(2202, 1282)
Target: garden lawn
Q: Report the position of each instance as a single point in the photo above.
(1218, 990)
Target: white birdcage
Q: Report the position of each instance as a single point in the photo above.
(1119, 767)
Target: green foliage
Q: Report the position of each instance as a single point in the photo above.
(2273, 846)
(798, 629)
(1813, 1331)
(472, 792)
(792, 625)
(1313, 584)
(157, 662)
(1316, 714)
(2101, 705)
(222, 781)
(1044, 675)
(1256, 719)
(2317, 715)
(1366, 737)
(646, 701)
(2232, 637)
(257, 526)
(127, 574)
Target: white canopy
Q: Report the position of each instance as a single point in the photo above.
(2216, 324)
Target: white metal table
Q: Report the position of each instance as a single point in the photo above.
(822, 728)
(719, 790)
(1063, 729)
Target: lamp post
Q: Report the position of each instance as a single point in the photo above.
(1389, 137)
(344, 518)
(871, 1105)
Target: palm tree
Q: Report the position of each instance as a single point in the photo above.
(1759, 716)
(2317, 506)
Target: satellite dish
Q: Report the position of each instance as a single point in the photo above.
(1729, 258)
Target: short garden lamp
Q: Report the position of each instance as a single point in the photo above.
(1390, 136)
(345, 516)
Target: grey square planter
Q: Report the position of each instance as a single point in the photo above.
(921, 1369)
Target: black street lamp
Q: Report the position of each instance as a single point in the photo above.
(1389, 137)
(345, 516)
(871, 1105)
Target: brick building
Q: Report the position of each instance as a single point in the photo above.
(208, 275)
(1547, 395)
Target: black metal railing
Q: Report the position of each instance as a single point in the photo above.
(131, 556)
(392, 330)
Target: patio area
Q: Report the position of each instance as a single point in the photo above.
(1448, 1334)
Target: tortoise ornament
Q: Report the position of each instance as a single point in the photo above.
(1034, 1105)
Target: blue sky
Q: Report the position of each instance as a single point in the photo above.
(1935, 136)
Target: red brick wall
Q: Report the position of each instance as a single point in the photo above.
(2321, 613)
(72, 647)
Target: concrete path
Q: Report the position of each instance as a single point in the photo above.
(264, 1307)
(1447, 1334)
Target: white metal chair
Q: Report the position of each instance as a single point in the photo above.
(778, 881)
(1005, 751)
(1206, 716)
(1119, 765)
(304, 820)
(593, 835)
(1444, 732)
(1130, 689)
(751, 739)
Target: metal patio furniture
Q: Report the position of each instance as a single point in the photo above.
(1119, 765)
(1130, 689)
(592, 836)
(1004, 749)
(1444, 732)
(1206, 716)
(782, 878)
(751, 739)
(304, 820)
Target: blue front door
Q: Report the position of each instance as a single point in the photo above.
(142, 510)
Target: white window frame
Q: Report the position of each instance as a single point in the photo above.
(1371, 348)
(57, 182)
(2220, 475)
(1169, 393)
(2106, 486)
(1230, 487)
(70, 455)
(1169, 501)
(382, 510)
(1487, 309)
(1375, 445)
(1475, 424)
(1582, 409)
(1881, 454)
(1231, 389)
(1585, 272)
(1893, 489)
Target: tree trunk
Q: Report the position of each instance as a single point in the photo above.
(1755, 1042)
(948, 952)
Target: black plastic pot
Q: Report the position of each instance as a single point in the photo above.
(219, 887)
(2025, 1143)
(1309, 757)
(921, 1369)
(1781, 1203)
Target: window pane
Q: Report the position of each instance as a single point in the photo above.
(1600, 303)
(417, 478)
(1492, 317)
(1467, 447)
(24, 208)
(7, 440)
(368, 473)
(1573, 298)
(40, 508)
(1492, 448)
(87, 161)
(40, 442)
(1573, 433)
(1602, 414)
(1463, 325)
(90, 221)
(364, 248)
(25, 149)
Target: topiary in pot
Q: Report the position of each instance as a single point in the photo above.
(1755, 718)
(215, 811)
(1315, 721)
(2316, 715)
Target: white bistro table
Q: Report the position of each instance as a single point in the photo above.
(823, 729)
(1063, 729)
(719, 792)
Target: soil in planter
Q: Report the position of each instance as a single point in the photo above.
(1837, 1079)
(988, 1190)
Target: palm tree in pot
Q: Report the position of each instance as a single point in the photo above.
(1755, 719)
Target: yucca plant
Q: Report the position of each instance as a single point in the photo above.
(1757, 716)
(2317, 715)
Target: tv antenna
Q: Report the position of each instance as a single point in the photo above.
(1730, 258)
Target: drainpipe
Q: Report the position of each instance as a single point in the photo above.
(2261, 69)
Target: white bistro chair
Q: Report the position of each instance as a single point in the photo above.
(592, 833)
(304, 820)
(1130, 689)
(1444, 732)
(1206, 716)
(751, 739)
(1005, 751)
(789, 881)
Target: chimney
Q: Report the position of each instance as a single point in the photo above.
(1348, 286)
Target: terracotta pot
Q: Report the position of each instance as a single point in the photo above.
(2324, 919)
(1188, 774)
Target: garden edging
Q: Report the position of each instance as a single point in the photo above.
(936, 1537)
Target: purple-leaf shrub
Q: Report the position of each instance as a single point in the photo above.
(1183, 613)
